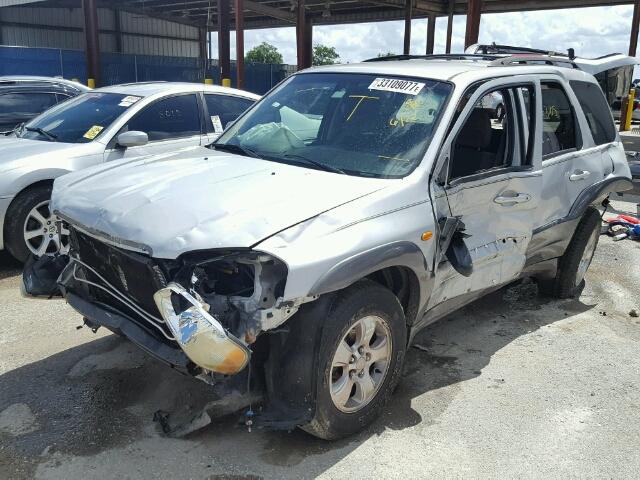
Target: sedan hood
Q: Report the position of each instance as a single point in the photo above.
(177, 204)
(23, 150)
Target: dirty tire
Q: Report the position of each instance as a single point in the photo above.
(566, 284)
(363, 299)
(16, 216)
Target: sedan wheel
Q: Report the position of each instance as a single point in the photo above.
(44, 233)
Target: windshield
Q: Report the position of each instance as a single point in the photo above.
(79, 120)
(365, 125)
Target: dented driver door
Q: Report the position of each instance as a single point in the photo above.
(488, 177)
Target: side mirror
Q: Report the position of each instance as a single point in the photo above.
(132, 139)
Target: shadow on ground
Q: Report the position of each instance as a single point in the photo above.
(83, 408)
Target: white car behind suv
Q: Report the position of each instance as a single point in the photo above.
(107, 124)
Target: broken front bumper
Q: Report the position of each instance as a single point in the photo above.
(197, 339)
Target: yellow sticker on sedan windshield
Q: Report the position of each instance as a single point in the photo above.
(396, 85)
(93, 132)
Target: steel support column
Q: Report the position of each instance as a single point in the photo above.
(449, 26)
(431, 33)
(224, 43)
(117, 30)
(92, 41)
(202, 50)
(303, 37)
(239, 12)
(474, 7)
(635, 25)
(408, 10)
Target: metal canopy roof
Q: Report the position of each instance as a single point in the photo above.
(281, 13)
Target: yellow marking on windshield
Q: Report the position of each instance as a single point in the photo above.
(361, 97)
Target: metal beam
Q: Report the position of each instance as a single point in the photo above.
(224, 44)
(301, 36)
(635, 24)
(449, 27)
(269, 11)
(474, 7)
(408, 7)
(239, 14)
(431, 33)
(116, 30)
(92, 41)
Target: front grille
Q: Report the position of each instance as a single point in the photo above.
(134, 275)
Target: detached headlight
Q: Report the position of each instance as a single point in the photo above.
(202, 338)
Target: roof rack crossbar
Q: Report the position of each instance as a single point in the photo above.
(452, 56)
(533, 60)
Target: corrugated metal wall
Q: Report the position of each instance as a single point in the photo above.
(62, 28)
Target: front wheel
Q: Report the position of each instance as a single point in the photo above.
(360, 359)
(31, 228)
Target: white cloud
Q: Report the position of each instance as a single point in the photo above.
(591, 31)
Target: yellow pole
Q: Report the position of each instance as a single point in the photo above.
(91, 83)
(226, 82)
(208, 81)
(629, 112)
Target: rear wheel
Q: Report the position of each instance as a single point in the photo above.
(575, 262)
(31, 228)
(360, 358)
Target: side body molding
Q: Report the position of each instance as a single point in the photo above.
(394, 254)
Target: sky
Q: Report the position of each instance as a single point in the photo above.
(591, 31)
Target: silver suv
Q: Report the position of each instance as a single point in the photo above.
(348, 209)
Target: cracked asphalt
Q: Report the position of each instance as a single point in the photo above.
(514, 385)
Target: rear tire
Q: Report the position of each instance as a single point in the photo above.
(573, 265)
(364, 340)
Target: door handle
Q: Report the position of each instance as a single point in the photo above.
(576, 177)
(511, 200)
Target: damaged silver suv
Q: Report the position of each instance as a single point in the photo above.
(348, 209)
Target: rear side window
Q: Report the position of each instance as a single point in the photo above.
(226, 108)
(26, 103)
(559, 131)
(169, 118)
(596, 110)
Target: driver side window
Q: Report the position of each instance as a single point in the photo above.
(485, 141)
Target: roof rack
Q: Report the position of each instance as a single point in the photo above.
(531, 59)
(455, 56)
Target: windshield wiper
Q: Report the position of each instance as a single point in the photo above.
(247, 152)
(43, 132)
(323, 166)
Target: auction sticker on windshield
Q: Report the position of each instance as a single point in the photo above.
(396, 85)
(93, 132)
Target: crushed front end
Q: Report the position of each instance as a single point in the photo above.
(200, 313)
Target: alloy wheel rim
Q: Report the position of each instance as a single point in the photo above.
(587, 257)
(360, 363)
(43, 232)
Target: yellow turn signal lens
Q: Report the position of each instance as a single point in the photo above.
(428, 235)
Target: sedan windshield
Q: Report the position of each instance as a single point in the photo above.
(356, 124)
(79, 120)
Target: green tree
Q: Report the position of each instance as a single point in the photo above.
(323, 55)
(264, 53)
(388, 54)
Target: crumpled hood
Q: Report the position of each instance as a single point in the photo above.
(183, 203)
